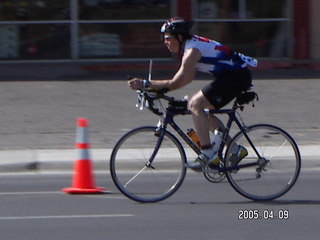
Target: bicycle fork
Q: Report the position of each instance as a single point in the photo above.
(159, 133)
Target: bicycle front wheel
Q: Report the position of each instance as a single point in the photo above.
(277, 161)
(146, 167)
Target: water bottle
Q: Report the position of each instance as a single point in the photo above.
(192, 134)
(216, 141)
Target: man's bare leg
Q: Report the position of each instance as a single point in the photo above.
(202, 122)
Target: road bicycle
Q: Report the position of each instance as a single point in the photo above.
(149, 163)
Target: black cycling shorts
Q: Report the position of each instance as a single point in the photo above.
(227, 86)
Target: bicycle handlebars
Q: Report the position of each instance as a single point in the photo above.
(148, 97)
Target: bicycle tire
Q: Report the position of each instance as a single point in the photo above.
(142, 183)
(279, 167)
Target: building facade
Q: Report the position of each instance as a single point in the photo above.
(115, 30)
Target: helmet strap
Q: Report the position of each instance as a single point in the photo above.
(181, 45)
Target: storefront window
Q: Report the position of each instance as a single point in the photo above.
(101, 29)
(28, 10)
(124, 9)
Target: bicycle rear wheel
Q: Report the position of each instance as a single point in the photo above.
(278, 163)
(140, 180)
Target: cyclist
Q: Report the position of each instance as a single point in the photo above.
(229, 69)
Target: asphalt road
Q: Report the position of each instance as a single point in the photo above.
(33, 207)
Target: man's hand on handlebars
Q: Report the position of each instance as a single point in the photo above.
(135, 83)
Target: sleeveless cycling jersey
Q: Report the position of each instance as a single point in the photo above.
(216, 57)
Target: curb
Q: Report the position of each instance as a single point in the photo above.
(64, 159)
(48, 159)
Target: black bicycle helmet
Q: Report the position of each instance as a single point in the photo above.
(177, 26)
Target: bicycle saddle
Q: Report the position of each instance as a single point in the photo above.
(246, 98)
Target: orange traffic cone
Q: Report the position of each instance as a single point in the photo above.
(83, 181)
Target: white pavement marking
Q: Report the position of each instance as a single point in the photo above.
(106, 195)
(64, 217)
(28, 193)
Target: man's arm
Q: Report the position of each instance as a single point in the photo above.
(183, 76)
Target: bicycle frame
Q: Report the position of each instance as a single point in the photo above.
(169, 119)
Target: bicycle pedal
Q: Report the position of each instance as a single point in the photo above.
(210, 170)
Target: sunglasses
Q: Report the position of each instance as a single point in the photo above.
(167, 37)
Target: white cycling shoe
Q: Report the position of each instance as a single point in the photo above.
(202, 160)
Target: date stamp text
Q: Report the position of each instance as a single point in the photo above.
(256, 214)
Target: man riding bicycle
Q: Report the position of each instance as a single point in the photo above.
(231, 74)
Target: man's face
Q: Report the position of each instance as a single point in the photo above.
(171, 42)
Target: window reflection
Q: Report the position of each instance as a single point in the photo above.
(233, 9)
(9, 41)
(239, 29)
(124, 9)
(267, 9)
(211, 9)
(23, 10)
(35, 41)
(43, 41)
(259, 39)
(139, 40)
